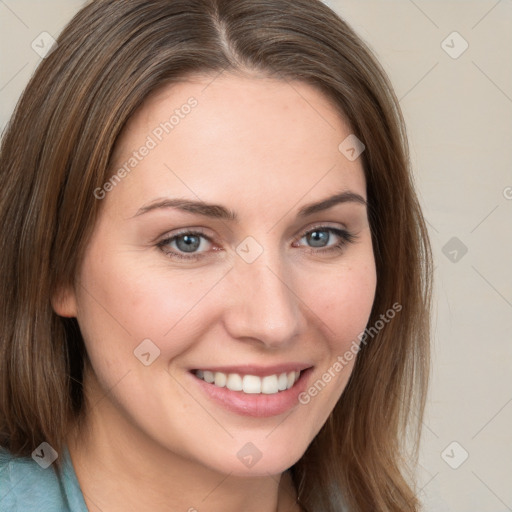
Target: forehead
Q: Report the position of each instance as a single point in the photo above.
(213, 136)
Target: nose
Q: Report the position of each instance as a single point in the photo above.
(263, 305)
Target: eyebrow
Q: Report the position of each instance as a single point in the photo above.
(217, 211)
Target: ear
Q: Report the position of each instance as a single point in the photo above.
(64, 302)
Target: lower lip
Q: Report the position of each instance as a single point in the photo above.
(258, 405)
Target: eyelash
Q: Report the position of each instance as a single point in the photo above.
(345, 239)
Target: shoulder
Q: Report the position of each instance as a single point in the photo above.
(27, 486)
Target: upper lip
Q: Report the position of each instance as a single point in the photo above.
(260, 371)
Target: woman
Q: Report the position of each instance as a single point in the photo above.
(215, 268)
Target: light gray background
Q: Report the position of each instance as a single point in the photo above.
(459, 117)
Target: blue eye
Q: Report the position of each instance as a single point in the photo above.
(190, 242)
(322, 234)
(187, 243)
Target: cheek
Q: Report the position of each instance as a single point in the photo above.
(343, 300)
(126, 301)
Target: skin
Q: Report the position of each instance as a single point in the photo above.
(263, 148)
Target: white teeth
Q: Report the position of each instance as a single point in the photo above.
(208, 376)
(282, 382)
(234, 382)
(220, 379)
(250, 384)
(269, 385)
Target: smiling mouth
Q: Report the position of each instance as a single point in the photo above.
(250, 384)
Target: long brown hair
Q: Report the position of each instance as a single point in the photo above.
(56, 151)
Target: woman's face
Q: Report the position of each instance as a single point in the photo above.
(167, 290)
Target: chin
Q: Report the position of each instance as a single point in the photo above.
(250, 461)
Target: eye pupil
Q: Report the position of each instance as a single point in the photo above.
(319, 236)
(192, 242)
